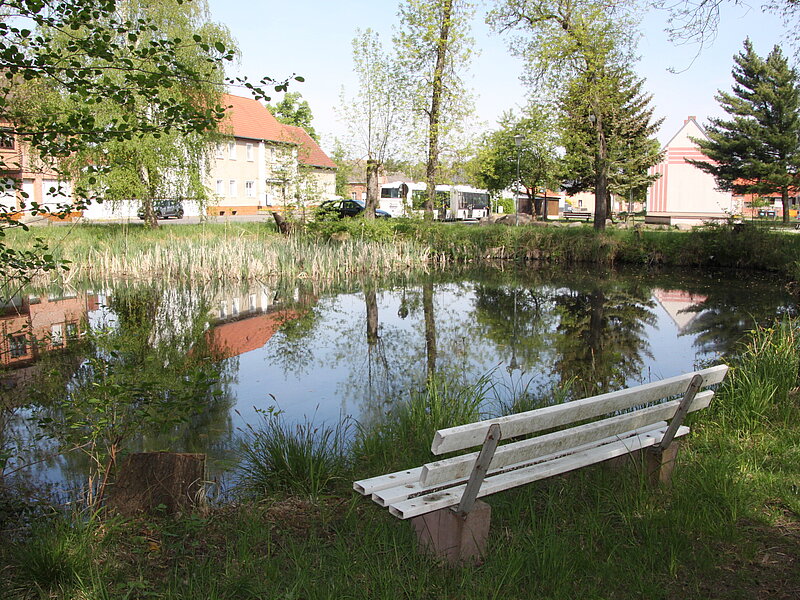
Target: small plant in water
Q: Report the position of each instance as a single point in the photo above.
(305, 458)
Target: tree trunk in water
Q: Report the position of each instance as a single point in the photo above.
(371, 300)
(373, 188)
(601, 178)
(283, 225)
(430, 328)
(434, 116)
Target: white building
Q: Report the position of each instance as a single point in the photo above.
(684, 193)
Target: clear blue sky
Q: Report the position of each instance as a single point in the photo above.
(313, 38)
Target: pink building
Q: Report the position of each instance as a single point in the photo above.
(685, 194)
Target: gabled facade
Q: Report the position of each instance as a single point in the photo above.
(265, 165)
(684, 193)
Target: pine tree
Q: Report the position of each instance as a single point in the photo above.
(757, 151)
(631, 148)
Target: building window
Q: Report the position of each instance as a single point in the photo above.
(72, 331)
(232, 188)
(250, 189)
(354, 196)
(249, 152)
(220, 151)
(235, 310)
(232, 150)
(223, 309)
(6, 139)
(220, 187)
(18, 345)
(272, 154)
(57, 335)
(253, 304)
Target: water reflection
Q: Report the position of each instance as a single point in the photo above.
(355, 348)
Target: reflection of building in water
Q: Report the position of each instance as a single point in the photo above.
(31, 325)
(247, 321)
(677, 304)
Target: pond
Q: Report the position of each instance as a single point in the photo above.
(201, 365)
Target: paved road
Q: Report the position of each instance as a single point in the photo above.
(183, 221)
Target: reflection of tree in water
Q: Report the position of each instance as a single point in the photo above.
(600, 338)
(725, 312)
(163, 368)
(519, 317)
(292, 347)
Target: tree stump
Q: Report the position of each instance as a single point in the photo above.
(284, 226)
(167, 481)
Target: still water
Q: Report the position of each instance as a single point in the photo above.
(326, 352)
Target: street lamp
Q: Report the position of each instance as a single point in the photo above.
(518, 141)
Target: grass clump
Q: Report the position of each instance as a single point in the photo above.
(304, 459)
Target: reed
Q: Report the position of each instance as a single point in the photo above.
(403, 437)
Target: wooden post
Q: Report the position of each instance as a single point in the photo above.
(694, 386)
(479, 470)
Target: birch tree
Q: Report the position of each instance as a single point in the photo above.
(435, 48)
(374, 115)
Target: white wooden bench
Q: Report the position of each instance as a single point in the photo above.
(440, 496)
(575, 214)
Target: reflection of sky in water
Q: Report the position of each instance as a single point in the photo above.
(337, 379)
(321, 367)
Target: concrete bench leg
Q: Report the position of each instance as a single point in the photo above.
(452, 538)
(660, 463)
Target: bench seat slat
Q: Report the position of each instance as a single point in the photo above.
(458, 467)
(374, 484)
(401, 492)
(450, 497)
(473, 434)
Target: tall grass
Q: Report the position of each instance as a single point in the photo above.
(304, 459)
(403, 438)
(763, 377)
(197, 253)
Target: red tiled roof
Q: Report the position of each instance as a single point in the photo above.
(237, 337)
(248, 118)
(309, 152)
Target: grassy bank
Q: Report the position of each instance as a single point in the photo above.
(326, 250)
(727, 527)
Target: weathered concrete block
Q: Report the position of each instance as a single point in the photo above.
(452, 538)
(660, 463)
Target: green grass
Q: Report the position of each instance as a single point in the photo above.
(727, 527)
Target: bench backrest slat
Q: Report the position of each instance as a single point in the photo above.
(473, 434)
(458, 467)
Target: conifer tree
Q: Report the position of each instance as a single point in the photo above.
(757, 150)
(631, 148)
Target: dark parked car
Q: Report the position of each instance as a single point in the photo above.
(348, 208)
(165, 209)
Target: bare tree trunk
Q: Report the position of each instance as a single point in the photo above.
(283, 225)
(601, 177)
(785, 203)
(434, 116)
(373, 188)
